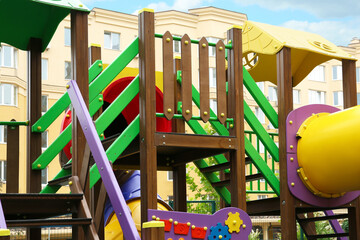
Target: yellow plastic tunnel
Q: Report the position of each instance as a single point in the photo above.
(328, 152)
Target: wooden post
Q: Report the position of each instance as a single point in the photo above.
(33, 182)
(178, 126)
(12, 152)
(155, 229)
(350, 100)
(80, 73)
(148, 161)
(285, 100)
(236, 111)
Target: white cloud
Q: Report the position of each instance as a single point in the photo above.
(338, 32)
(180, 5)
(320, 8)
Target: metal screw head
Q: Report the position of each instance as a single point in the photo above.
(102, 135)
(168, 39)
(70, 183)
(188, 223)
(176, 223)
(67, 86)
(100, 65)
(292, 184)
(292, 159)
(67, 115)
(244, 226)
(193, 227)
(220, 48)
(169, 110)
(283, 202)
(203, 45)
(100, 99)
(186, 42)
(205, 228)
(231, 125)
(205, 113)
(171, 220)
(291, 146)
(222, 114)
(187, 111)
(157, 219)
(39, 165)
(291, 122)
(153, 217)
(39, 128)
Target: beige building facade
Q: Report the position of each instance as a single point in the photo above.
(114, 31)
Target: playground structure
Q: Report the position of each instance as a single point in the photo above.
(172, 150)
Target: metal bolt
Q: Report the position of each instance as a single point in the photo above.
(102, 135)
(291, 122)
(205, 113)
(67, 86)
(203, 45)
(102, 168)
(231, 125)
(100, 99)
(85, 128)
(39, 128)
(186, 42)
(142, 139)
(176, 223)
(229, 146)
(168, 39)
(234, 222)
(171, 220)
(220, 236)
(163, 136)
(244, 226)
(292, 184)
(298, 171)
(283, 202)
(163, 143)
(305, 178)
(187, 111)
(39, 165)
(100, 65)
(205, 228)
(70, 183)
(188, 223)
(291, 146)
(67, 115)
(120, 214)
(220, 48)
(153, 217)
(169, 110)
(229, 139)
(193, 227)
(157, 219)
(292, 159)
(222, 114)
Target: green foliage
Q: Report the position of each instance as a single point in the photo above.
(254, 235)
(345, 225)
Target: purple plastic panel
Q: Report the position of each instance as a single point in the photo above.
(102, 162)
(209, 221)
(299, 190)
(2, 218)
(335, 224)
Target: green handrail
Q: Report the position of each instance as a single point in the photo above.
(14, 123)
(227, 46)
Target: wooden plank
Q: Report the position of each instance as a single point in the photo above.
(349, 83)
(12, 158)
(221, 82)
(204, 79)
(99, 214)
(285, 100)
(168, 75)
(264, 207)
(147, 100)
(83, 178)
(354, 219)
(186, 87)
(95, 54)
(80, 73)
(308, 227)
(236, 111)
(47, 222)
(178, 126)
(195, 141)
(33, 182)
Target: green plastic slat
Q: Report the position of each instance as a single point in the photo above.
(117, 106)
(260, 98)
(50, 116)
(50, 153)
(54, 189)
(157, 35)
(114, 69)
(117, 147)
(14, 123)
(262, 166)
(260, 132)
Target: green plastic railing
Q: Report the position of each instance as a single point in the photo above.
(64, 101)
(14, 123)
(227, 46)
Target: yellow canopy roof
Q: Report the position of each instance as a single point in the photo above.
(262, 41)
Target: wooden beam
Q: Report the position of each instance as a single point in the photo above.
(33, 182)
(12, 152)
(236, 111)
(349, 83)
(80, 73)
(148, 161)
(285, 99)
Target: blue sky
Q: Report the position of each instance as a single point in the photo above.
(337, 21)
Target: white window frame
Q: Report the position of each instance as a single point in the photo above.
(212, 50)
(261, 86)
(67, 36)
(177, 44)
(260, 115)
(13, 56)
(296, 96)
(272, 94)
(69, 78)
(317, 74)
(338, 98)
(43, 184)
(337, 72)
(170, 176)
(358, 98)
(43, 148)
(110, 45)
(47, 103)
(358, 74)
(13, 95)
(320, 97)
(44, 69)
(213, 105)
(3, 166)
(3, 133)
(212, 77)
(261, 196)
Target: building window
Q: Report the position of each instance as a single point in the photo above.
(261, 148)
(296, 96)
(3, 134)
(170, 175)
(8, 56)
(212, 50)
(44, 104)
(358, 74)
(212, 77)
(316, 97)
(261, 86)
(358, 98)
(67, 36)
(3, 171)
(44, 140)
(112, 40)
(337, 72)
(261, 197)
(272, 91)
(177, 45)
(260, 115)
(44, 69)
(317, 74)
(213, 105)
(8, 94)
(44, 177)
(338, 98)
(68, 72)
